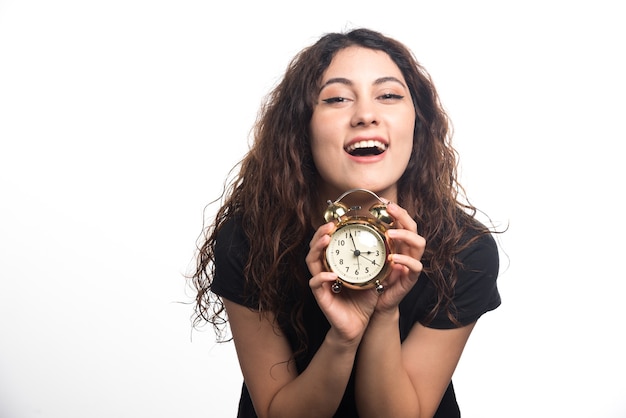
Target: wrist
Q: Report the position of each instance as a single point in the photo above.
(341, 342)
(386, 315)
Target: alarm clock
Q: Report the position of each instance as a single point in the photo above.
(358, 250)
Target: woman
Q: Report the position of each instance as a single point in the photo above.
(354, 110)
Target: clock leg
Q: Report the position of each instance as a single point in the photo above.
(379, 287)
(336, 287)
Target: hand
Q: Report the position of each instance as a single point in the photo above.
(406, 264)
(349, 311)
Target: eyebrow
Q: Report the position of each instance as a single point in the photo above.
(347, 82)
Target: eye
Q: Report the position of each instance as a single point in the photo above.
(335, 100)
(391, 96)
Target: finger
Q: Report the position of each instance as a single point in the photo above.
(318, 243)
(414, 265)
(320, 279)
(315, 256)
(402, 218)
(325, 229)
(415, 243)
(321, 285)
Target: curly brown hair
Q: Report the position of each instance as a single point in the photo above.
(279, 172)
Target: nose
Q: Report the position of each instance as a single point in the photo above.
(364, 114)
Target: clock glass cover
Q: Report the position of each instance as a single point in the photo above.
(357, 253)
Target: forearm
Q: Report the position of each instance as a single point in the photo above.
(383, 386)
(318, 390)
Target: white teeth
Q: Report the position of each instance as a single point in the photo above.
(366, 144)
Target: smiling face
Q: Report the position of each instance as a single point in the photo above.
(362, 124)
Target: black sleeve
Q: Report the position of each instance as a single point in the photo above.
(231, 254)
(476, 290)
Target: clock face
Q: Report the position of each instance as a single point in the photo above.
(357, 253)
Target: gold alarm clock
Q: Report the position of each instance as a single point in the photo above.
(358, 250)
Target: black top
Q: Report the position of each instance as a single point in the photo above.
(476, 292)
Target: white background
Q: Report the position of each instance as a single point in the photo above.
(119, 121)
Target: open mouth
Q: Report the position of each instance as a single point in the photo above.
(366, 148)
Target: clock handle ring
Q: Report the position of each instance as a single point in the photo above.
(347, 192)
(337, 209)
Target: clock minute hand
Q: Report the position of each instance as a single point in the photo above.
(356, 252)
(371, 261)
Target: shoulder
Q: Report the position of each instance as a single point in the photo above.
(478, 251)
(475, 288)
(473, 280)
(231, 256)
(230, 234)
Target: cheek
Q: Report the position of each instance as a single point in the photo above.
(405, 145)
(317, 146)
(319, 154)
(318, 159)
(404, 129)
(406, 122)
(322, 140)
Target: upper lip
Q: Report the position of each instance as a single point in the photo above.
(366, 143)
